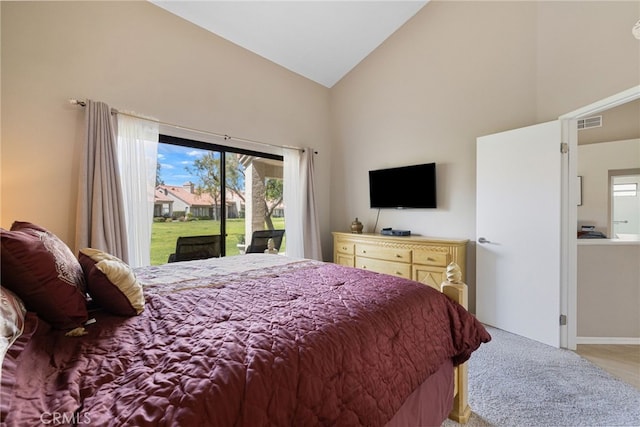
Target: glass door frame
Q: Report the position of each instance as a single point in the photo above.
(223, 150)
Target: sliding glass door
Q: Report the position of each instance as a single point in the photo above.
(204, 189)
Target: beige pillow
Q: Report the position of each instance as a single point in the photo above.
(112, 283)
(13, 312)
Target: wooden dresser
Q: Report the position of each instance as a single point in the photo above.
(418, 258)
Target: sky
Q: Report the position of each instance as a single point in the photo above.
(173, 161)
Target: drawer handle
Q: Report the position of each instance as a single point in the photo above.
(398, 256)
(430, 259)
(364, 252)
(399, 273)
(344, 248)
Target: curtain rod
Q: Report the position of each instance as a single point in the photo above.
(206, 132)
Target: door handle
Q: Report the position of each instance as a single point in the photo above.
(483, 240)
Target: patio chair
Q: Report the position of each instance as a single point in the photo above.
(196, 247)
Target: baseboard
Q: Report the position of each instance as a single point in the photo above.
(608, 340)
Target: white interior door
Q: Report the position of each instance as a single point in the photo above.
(518, 228)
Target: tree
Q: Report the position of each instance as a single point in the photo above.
(159, 180)
(273, 197)
(234, 178)
(207, 169)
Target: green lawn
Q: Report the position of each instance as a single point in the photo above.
(165, 234)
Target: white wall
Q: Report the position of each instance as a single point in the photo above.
(608, 292)
(594, 163)
(424, 96)
(460, 70)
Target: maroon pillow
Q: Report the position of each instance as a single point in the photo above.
(41, 269)
(86, 263)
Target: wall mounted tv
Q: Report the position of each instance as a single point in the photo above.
(403, 187)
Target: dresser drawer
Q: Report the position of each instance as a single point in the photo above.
(413, 257)
(431, 258)
(346, 260)
(386, 267)
(429, 275)
(383, 253)
(345, 248)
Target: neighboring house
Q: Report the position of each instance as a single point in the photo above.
(171, 198)
(162, 203)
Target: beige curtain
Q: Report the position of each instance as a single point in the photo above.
(100, 215)
(301, 218)
(311, 226)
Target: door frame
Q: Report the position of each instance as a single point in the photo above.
(569, 221)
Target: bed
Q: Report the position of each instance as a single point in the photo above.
(246, 340)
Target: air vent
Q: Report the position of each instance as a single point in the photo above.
(590, 122)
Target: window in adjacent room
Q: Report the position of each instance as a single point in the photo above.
(625, 203)
(625, 190)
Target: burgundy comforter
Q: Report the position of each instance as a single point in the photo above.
(299, 343)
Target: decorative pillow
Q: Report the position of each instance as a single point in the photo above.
(12, 312)
(68, 262)
(42, 271)
(111, 283)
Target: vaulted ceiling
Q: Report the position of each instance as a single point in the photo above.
(320, 40)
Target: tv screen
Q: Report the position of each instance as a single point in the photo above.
(403, 187)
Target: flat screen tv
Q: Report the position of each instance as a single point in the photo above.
(403, 187)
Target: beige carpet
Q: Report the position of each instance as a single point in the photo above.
(514, 381)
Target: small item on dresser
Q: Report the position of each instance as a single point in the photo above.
(392, 232)
(356, 226)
